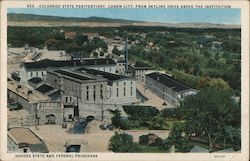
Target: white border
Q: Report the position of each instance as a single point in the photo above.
(243, 156)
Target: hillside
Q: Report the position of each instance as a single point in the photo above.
(56, 21)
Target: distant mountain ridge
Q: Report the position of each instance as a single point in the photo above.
(21, 17)
(15, 19)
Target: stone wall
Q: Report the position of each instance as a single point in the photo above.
(89, 109)
(22, 101)
(117, 95)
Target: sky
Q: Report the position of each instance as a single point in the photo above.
(194, 15)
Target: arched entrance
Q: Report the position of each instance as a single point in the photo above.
(50, 119)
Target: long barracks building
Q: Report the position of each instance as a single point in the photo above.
(168, 88)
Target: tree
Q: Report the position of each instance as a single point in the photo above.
(141, 113)
(208, 113)
(232, 136)
(158, 123)
(116, 51)
(81, 39)
(121, 143)
(212, 82)
(116, 119)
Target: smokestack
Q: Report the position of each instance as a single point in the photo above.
(126, 54)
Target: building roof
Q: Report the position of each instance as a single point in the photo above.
(25, 92)
(55, 95)
(38, 148)
(73, 75)
(98, 61)
(108, 76)
(198, 149)
(141, 65)
(169, 81)
(36, 80)
(46, 63)
(44, 88)
(22, 135)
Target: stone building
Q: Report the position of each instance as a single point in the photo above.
(40, 108)
(168, 88)
(120, 89)
(88, 91)
(24, 140)
(140, 70)
(39, 69)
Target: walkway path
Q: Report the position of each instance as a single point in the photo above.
(153, 99)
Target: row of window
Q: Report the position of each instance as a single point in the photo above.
(94, 92)
(124, 83)
(36, 74)
(124, 91)
(104, 69)
(66, 99)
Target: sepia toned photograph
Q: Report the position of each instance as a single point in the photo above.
(119, 79)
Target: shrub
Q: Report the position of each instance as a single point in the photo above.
(150, 139)
(143, 139)
(121, 143)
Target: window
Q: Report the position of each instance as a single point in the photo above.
(87, 92)
(36, 73)
(101, 95)
(124, 91)
(117, 92)
(131, 83)
(87, 95)
(25, 150)
(94, 93)
(66, 99)
(70, 99)
(70, 116)
(31, 74)
(131, 91)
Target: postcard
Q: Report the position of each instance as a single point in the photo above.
(125, 80)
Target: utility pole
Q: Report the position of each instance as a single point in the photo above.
(102, 109)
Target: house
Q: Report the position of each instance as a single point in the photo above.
(24, 140)
(168, 88)
(69, 35)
